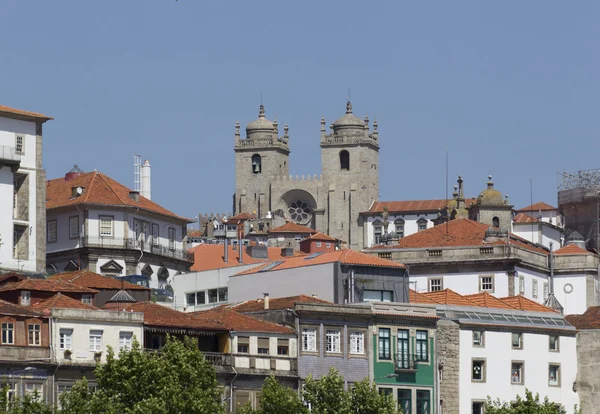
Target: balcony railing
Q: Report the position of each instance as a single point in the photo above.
(407, 362)
(133, 244)
(9, 155)
(218, 359)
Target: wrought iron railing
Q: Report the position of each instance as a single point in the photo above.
(408, 362)
(133, 244)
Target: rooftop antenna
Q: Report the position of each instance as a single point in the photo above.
(531, 204)
(447, 207)
(137, 167)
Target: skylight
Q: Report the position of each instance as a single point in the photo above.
(271, 266)
(313, 255)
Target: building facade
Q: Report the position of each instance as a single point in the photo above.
(329, 203)
(22, 191)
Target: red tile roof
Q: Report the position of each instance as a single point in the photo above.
(99, 189)
(275, 303)
(235, 321)
(571, 249)
(460, 232)
(320, 237)
(241, 216)
(590, 319)
(348, 257)
(63, 302)
(412, 205)
(95, 281)
(449, 297)
(539, 206)
(416, 297)
(5, 110)
(291, 227)
(12, 275)
(486, 300)
(522, 303)
(210, 257)
(195, 233)
(46, 285)
(524, 218)
(161, 316)
(9, 308)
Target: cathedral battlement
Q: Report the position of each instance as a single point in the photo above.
(337, 139)
(261, 143)
(291, 178)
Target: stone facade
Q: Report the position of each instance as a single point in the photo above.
(329, 203)
(587, 384)
(448, 343)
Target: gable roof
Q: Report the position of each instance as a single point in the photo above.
(523, 218)
(590, 319)
(99, 189)
(95, 281)
(412, 206)
(63, 302)
(5, 278)
(539, 206)
(235, 321)
(8, 111)
(275, 303)
(241, 216)
(486, 300)
(46, 285)
(449, 297)
(210, 257)
(318, 236)
(416, 297)
(525, 304)
(156, 315)
(571, 249)
(291, 227)
(347, 257)
(9, 308)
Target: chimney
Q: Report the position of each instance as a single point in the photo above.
(134, 195)
(287, 251)
(241, 251)
(226, 251)
(145, 190)
(266, 297)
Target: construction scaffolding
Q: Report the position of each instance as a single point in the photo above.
(587, 179)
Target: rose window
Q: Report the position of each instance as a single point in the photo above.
(300, 212)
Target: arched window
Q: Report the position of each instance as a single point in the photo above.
(344, 160)
(377, 231)
(399, 224)
(256, 164)
(495, 222)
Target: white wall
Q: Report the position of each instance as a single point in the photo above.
(539, 233)
(499, 354)
(576, 301)
(410, 224)
(464, 283)
(281, 364)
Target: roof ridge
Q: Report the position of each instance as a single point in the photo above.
(111, 188)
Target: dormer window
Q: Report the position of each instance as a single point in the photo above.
(422, 224)
(399, 225)
(87, 299)
(256, 164)
(25, 298)
(377, 231)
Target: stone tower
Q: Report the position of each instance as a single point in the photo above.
(259, 158)
(350, 162)
(491, 208)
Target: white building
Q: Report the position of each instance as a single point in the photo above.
(22, 191)
(537, 231)
(98, 224)
(544, 212)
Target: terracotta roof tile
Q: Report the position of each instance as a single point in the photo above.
(46, 285)
(235, 321)
(99, 189)
(539, 206)
(590, 319)
(275, 303)
(19, 112)
(416, 297)
(95, 281)
(522, 218)
(210, 256)
(348, 257)
(522, 303)
(320, 237)
(449, 297)
(161, 316)
(291, 227)
(241, 216)
(63, 302)
(9, 308)
(571, 249)
(12, 275)
(195, 233)
(412, 205)
(486, 300)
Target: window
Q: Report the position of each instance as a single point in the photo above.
(106, 226)
(200, 298)
(403, 358)
(223, 296)
(477, 407)
(377, 231)
(31, 388)
(435, 284)
(517, 340)
(256, 164)
(422, 402)
(384, 343)
(190, 299)
(521, 285)
(496, 222)
(486, 283)
(125, 339)
(478, 338)
(66, 339)
(51, 231)
(8, 329)
(20, 144)
(87, 299)
(74, 227)
(332, 343)
(263, 346)
(297, 237)
(385, 391)
(328, 245)
(25, 298)
(243, 344)
(545, 291)
(318, 244)
(283, 346)
(553, 343)
(213, 296)
(171, 238)
(421, 351)
(554, 375)
(357, 343)
(422, 224)
(516, 373)
(399, 224)
(155, 234)
(96, 340)
(309, 340)
(478, 374)
(344, 160)
(33, 333)
(405, 400)
(534, 288)
(378, 295)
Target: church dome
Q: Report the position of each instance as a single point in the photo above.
(260, 128)
(490, 196)
(348, 121)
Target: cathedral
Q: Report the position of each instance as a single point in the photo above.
(330, 202)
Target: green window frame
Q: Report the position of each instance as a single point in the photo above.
(384, 343)
(423, 402)
(422, 350)
(405, 400)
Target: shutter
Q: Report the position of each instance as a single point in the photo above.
(263, 343)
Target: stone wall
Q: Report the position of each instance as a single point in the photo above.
(587, 384)
(448, 342)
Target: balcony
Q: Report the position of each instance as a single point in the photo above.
(133, 244)
(407, 362)
(10, 156)
(23, 353)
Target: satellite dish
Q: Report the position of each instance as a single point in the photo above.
(79, 190)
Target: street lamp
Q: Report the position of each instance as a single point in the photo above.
(387, 376)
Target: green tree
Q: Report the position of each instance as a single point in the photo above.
(276, 399)
(175, 380)
(327, 395)
(365, 399)
(528, 405)
(29, 404)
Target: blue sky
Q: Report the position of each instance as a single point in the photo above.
(509, 88)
